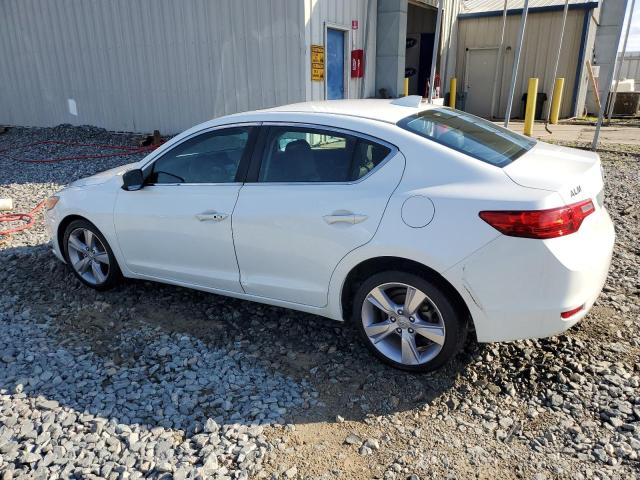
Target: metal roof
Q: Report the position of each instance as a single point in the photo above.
(473, 7)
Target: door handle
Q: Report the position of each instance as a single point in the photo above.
(347, 217)
(211, 216)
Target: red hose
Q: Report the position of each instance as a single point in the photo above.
(29, 218)
(122, 150)
(18, 217)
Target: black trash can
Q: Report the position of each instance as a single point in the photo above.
(461, 98)
(540, 99)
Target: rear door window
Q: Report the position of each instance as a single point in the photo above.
(301, 154)
(469, 134)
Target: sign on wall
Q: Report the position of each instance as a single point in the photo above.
(317, 62)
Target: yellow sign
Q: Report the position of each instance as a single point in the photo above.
(317, 62)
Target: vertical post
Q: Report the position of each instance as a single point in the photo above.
(516, 62)
(555, 68)
(530, 110)
(603, 102)
(405, 90)
(498, 58)
(556, 101)
(612, 103)
(434, 55)
(452, 92)
(449, 34)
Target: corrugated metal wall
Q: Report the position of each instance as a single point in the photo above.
(340, 13)
(138, 65)
(538, 54)
(630, 68)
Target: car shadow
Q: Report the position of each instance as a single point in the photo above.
(103, 335)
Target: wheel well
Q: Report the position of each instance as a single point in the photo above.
(372, 266)
(62, 226)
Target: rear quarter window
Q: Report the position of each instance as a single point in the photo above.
(468, 134)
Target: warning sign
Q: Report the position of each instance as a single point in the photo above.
(317, 62)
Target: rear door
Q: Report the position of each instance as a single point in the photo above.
(313, 194)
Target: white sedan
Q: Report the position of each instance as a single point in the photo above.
(416, 222)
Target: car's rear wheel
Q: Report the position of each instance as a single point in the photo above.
(89, 255)
(408, 321)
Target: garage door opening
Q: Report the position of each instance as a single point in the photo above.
(421, 27)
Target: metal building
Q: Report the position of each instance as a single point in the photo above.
(479, 56)
(630, 68)
(140, 65)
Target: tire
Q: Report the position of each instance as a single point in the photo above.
(99, 269)
(387, 332)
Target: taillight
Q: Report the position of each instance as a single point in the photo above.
(572, 312)
(541, 224)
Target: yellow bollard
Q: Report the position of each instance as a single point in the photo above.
(530, 110)
(406, 87)
(452, 92)
(556, 101)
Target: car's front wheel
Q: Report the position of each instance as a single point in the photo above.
(408, 321)
(89, 255)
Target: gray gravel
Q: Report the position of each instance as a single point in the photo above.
(133, 399)
(156, 381)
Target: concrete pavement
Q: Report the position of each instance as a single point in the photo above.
(581, 133)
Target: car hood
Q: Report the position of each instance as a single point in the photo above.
(102, 177)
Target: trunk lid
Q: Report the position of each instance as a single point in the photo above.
(575, 174)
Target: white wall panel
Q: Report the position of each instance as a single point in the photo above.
(630, 67)
(138, 65)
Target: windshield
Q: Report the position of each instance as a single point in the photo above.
(468, 134)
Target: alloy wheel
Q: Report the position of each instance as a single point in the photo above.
(88, 256)
(403, 323)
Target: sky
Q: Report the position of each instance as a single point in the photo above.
(633, 44)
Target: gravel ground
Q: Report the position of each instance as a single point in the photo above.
(156, 381)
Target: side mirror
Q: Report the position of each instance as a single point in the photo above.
(133, 180)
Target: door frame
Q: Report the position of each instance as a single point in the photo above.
(346, 31)
(498, 74)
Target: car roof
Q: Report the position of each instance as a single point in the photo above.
(385, 110)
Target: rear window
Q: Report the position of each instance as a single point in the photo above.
(468, 134)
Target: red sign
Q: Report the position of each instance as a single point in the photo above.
(357, 63)
(354, 24)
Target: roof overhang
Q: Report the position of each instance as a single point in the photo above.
(518, 11)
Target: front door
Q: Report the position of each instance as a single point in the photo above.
(178, 227)
(319, 194)
(480, 73)
(335, 64)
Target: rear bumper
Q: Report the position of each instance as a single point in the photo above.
(517, 288)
